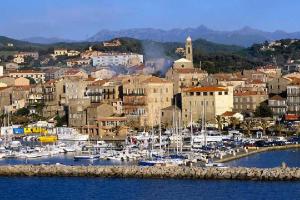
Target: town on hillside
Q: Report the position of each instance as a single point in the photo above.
(116, 96)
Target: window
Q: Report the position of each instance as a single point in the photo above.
(191, 93)
(226, 93)
(198, 93)
(205, 93)
(220, 93)
(211, 93)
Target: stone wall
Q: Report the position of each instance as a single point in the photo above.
(270, 174)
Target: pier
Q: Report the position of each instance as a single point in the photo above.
(159, 172)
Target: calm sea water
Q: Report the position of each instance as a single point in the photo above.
(270, 159)
(131, 189)
(33, 188)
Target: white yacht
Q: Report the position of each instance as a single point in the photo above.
(70, 134)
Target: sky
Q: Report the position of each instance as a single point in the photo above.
(80, 19)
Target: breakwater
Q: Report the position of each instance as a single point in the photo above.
(238, 173)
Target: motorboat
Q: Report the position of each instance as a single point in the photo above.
(70, 134)
(217, 165)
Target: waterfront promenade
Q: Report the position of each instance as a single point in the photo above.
(159, 172)
(254, 150)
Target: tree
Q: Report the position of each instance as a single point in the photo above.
(220, 122)
(22, 112)
(60, 121)
(263, 110)
(279, 128)
(234, 121)
(31, 81)
(264, 124)
(247, 125)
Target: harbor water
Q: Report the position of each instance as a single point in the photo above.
(269, 159)
(97, 188)
(114, 188)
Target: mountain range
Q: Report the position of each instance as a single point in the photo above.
(245, 37)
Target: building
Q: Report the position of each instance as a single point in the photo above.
(55, 73)
(189, 49)
(34, 55)
(113, 43)
(245, 100)
(22, 81)
(73, 53)
(270, 70)
(70, 88)
(291, 68)
(207, 101)
(144, 97)
(104, 91)
(278, 85)
(293, 97)
(19, 60)
(103, 73)
(182, 73)
(169, 116)
(118, 59)
(11, 66)
(1, 71)
(37, 76)
(76, 73)
(78, 62)
(278, 105)
(60, 52)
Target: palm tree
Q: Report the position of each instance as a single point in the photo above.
(264, 124)
(234, 121)
(247, 125)
(220, 121)
(279, 128)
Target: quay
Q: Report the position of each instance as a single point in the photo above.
(157, 172)
(254, 150)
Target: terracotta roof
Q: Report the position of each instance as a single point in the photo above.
(111, 119)
(205, 89)
(155, 79)
(188, 71)
(248, 93)
(25, 87)
(256, 82)
(25, 71)
(277, 97)
(228, 114)
(99, 82)
(90, 79)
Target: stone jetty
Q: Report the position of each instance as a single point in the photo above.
(159, 172)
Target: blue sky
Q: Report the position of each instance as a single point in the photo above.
(79, 19)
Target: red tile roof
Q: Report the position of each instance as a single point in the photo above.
(205, 89)
(277, 97)
(155, 79)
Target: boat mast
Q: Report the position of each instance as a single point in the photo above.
(204, 123)
(192, 134)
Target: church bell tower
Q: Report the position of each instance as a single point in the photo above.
(189, 49)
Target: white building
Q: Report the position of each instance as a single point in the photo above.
(1, 70)
(116, 59)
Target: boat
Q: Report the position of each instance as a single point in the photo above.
(217, 165)
(162, 161)
(86, 157)
(70, 134)
(47, 138)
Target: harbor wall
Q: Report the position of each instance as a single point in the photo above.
(160, 172)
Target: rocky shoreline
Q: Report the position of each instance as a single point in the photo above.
(236, 173)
